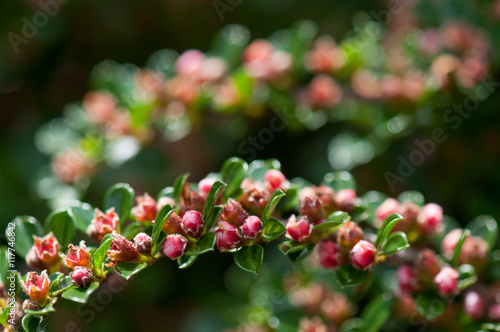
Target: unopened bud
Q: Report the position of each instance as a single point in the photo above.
(349, 234)
(363, 255)
(388, 207)
(446, 281)
(330, 255)
(227, 236)
(146, 208)
(143, 242)
(234, 213)
(175, 246)
(252, 227)
(407, 278)
(430, 218)
(346, 199)
(474, 305)
(275, 180)
(82, 277)
(192, 223)
(298, 230)
(205, 185)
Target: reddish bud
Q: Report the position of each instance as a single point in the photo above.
(102, 224)
(146, 209)
(275, 180)
(234, 213)
(449, 243)
(192, 223)
(164, 201)
(312, 209)
(298, 230)
(143, 242)
(255, 196)
(407, 277)
(363, 255)
(346, 199)
(494, 312)
(77, 256)
(37, 286)
(430, 218)
(227, 236)
(175, 246)
(324, 92)
(427, 264)
(82, 276)
(122, 249)
(475, 252)
(190, 63)
(349, 234)
(173, 224)
(205, 185)
(330, 255)
(446, 281)
(44, 253)
(474, 305)
(387, 208)
(252, 227)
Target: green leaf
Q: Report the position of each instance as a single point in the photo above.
(121, 197)
(273, 229)
(430, 304)
(340, 180)
(396, 242)
(349, 276)
(332, 223)
(4, 315)
(49, 307)
(62, 225)
(24, 228)
(178, 187)
(205, 244)
(4, 263)
(490, 327)
(166, 192)
(466, 276)
(296, 251)
(209, 212)
(250, 258)
(458, 248)
(186, 261)
(100, 254)
(271, 205)
(55, 278)
(376, 313)
(386, 228)
(485, 227)
(158, 235)
(82, 214)
(258, 168)
(128, 270)
(32, 323)
(80, 295)
(233, 172)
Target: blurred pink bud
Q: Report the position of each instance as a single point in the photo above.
(449, 243)
(145, 210)
(227, 236)
(407, 278)
(82, 276)
(474, 305)
(252, 227)
(324, 92)
(350, 234)
(192, 223)
(190, 63)
(346, 199)
(143, 242)
(99, 106)
(388, 207)
(325, 56)
(330, 255)
(363, 255)
(312, 209)
(275, 179)
(298, 230)
(175, 246)
(205, 185)
(494, 312)
(234, 213)
(446, 281)
(162, 201)
(430, 218)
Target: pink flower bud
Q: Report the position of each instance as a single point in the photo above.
(145, 210)
(363, 255)
(252, 227)
(234, 213)
(82, 276)
(407, 277)
(255, 197)
(190, 63)
(99, 106)
(192, 223)
(173, 224)
(430, 218)
(227, 236)
(346, 199)
(474, 305)
(44, 253)
(427, 264)
(475, 252)
(446, 281)
(298, 230)
(37, 286)
(387, 208)
(205, 185)
(275, 179)
(77, 256)
(175, 246)
(102, 224)
(143, 242)
(349, 234)
(494, 312)
(324, 92)
(162, 201)
(312, 209)
(330, 255)
(122, 249)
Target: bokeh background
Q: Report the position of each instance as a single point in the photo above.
(54, 68)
